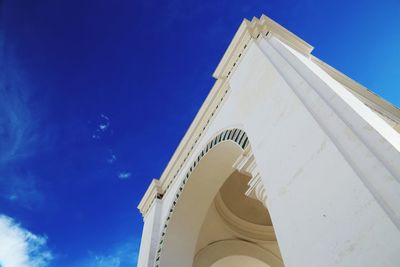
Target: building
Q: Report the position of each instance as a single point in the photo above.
(287, 163)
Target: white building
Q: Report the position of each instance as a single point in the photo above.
(287, 163)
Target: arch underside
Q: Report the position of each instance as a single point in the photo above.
(201, 212)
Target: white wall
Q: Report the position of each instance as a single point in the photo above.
(314, 165)
(150, 235)
(331, 166)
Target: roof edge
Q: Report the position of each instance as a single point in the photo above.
(253, 29)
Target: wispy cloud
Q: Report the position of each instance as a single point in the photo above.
(112, 157)
(124, 175)
(102, 126)
(17, 126)
(19, 136)
(101, 131)
(105, 123)
(21, 188)
(123, 255)
(105, 261)
(20, 247)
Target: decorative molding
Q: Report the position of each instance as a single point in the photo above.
(153, 192)
(257, 190)
(369, 98)
(247, 165)
(252, 30)
(232, 135)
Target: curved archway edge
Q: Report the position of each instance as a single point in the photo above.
(236, 136)
(221, 249)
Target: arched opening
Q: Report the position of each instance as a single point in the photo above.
(213, 208)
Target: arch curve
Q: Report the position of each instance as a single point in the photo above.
(236, 136)
(221, 249)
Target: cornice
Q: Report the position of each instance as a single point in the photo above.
(254, 29)
(153, 191)
(369, 98)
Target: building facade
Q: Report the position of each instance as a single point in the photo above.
(287, 163)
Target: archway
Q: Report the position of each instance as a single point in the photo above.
(203, 197)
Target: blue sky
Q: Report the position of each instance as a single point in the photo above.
(96, 95)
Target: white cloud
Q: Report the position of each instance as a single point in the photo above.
(124, 175)
(21, 248)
